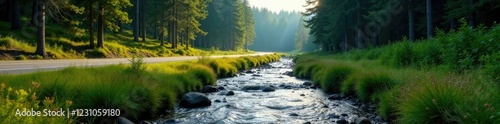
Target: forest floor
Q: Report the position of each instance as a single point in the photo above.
(60, 44)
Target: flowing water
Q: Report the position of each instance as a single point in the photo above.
(291, 102)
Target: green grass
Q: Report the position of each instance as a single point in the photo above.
(140, 91)
(64, 44)
(451, 78)
(333, 77)
(372, 84)
(408, 94)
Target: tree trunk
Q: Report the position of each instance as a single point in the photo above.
(429, 19)
(174, 27)
(246, 46)
(411, 21)
(345, 35)
(472, 17)
(15, 20)
(143, 20)
(162, 31)
(34, 13)
(91, 26)
(100, 27)
(136, 21)
(40, 44)
(359, 33)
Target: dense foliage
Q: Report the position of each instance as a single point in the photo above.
(342, 25)
(451, 78)
(218, 24)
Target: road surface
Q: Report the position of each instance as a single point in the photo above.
(19, 67)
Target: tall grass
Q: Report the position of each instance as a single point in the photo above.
(333, 77)
(137, 90)
(408, 95)
(372, 84)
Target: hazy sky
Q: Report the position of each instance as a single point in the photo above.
(277, 5)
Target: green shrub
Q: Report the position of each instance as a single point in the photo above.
(310, 69)
(399, 54)
(348, 86)
(22, 57)
(371, 84)
(430, 102)
(137, 65)
(463, 49)
(492, 66)
(243, 63)
(252, 62)
(206, 75)
(387, 104)
(223, 69)
(298, 70)
(427, 54)
(334, 76)
(204, 59)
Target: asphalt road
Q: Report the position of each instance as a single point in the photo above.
(19, 67)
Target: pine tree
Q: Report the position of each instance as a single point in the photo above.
(114, 11)
(249, 34)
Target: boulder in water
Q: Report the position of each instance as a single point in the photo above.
(230, 93)
(251, 87)
(342, 121)
(209, 89)
(123, 120)
(194, 100)
(335, 97)
(268, 89)
(363, 120)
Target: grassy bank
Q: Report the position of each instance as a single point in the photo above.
(140, 91)
(452, 78)
(61, 44)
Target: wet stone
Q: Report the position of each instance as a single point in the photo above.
(209, 89)
(220, 88)
(123, 120)
(217, 100)
(230, 93)
(293, 114)
(307, 84)
(313, 87)
(257, 75)
(302, 95)
(307, 122)
(363, 120)
(344, 114)
(342, 121)
(268, 89)
(194, 100)
(144, 122)
(335, 97)
(333, 116)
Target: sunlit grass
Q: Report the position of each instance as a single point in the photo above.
(64, 44)
(139, 90)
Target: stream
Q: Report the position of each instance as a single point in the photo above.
(293, 101)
